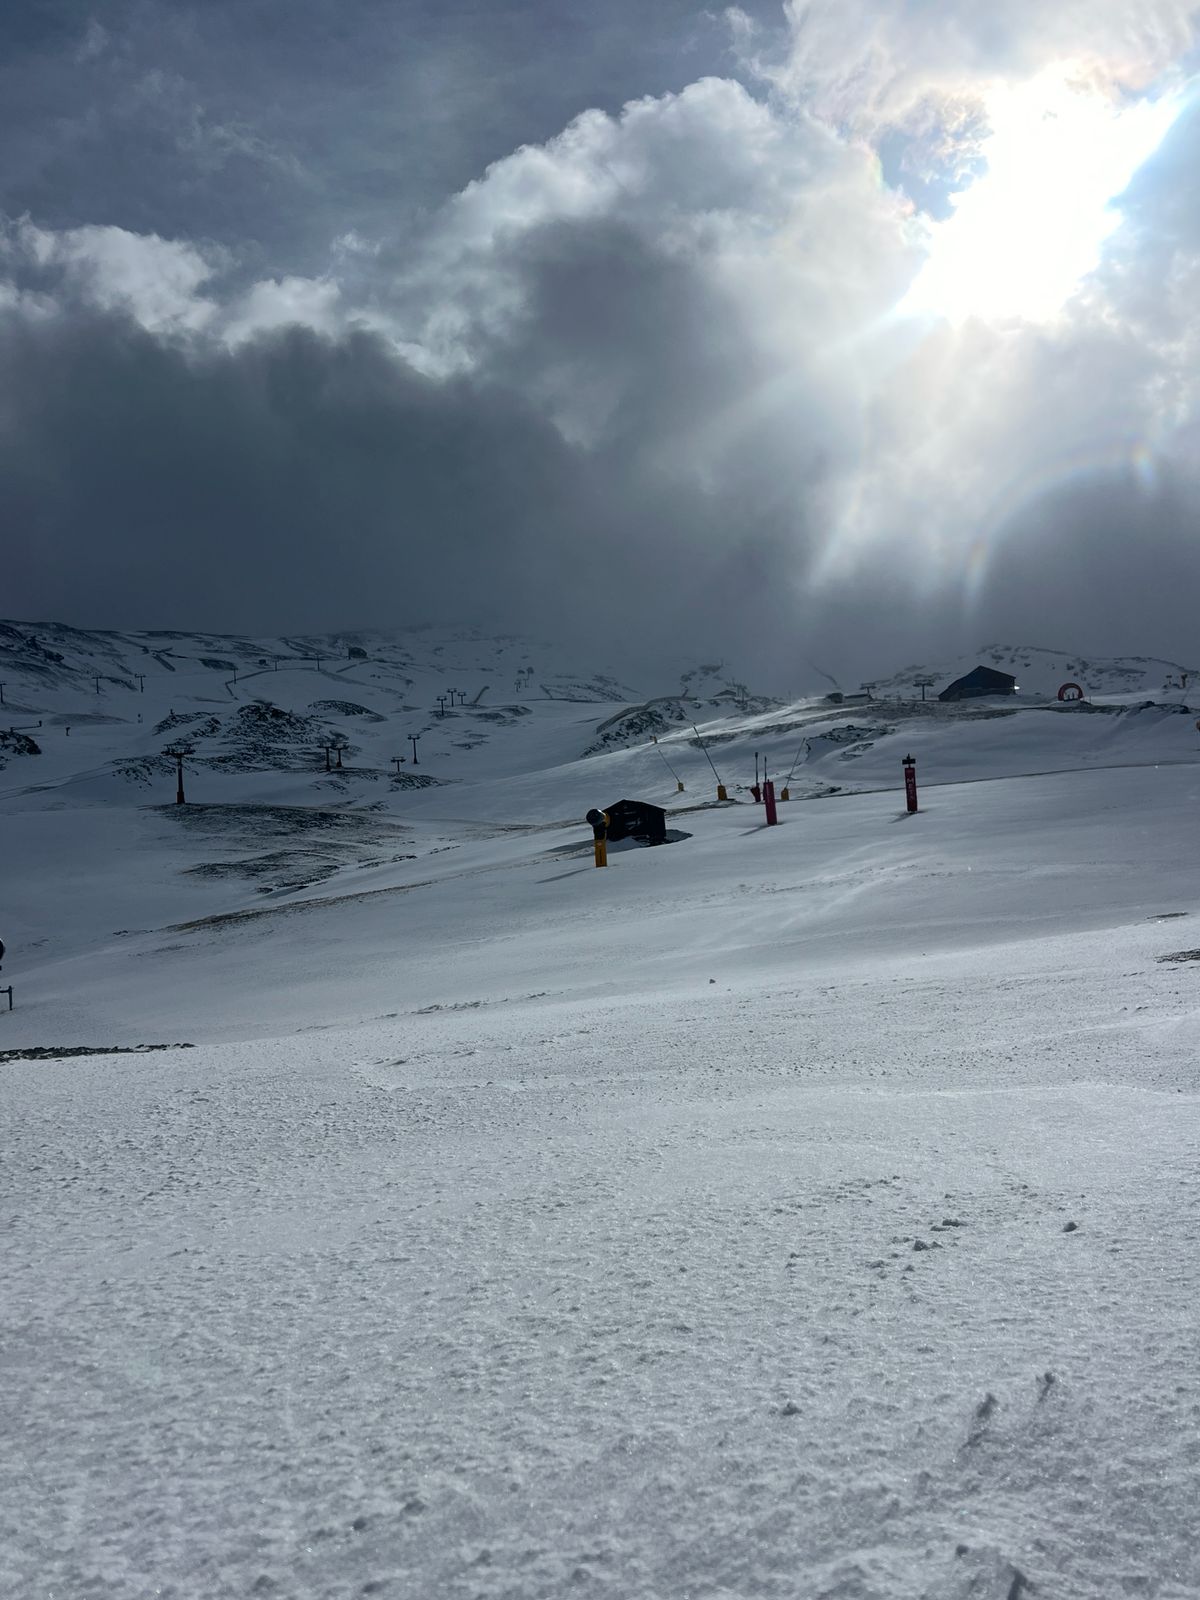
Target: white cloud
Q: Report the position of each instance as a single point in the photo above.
(870, 63)
(780, 229)
(153, 280)
(159, 284)
(715, 281)
(284, 302)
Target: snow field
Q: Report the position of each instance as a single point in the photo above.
(807, 1212)
(567, 1292)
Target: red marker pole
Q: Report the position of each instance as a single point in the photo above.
(910, 783)
(769, 802)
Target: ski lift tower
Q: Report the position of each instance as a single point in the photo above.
(177, 754)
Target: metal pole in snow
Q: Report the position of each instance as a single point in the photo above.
(910, 783)
(721, 793)
(784, 794)
(669, 767)
(178, 755)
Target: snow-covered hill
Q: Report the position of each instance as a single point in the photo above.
(1043, 672)
(806, 1210)
(420, 737)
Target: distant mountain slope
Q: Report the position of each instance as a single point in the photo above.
(1041, 671)
(450, 723)
(463, 662)
(346, 719)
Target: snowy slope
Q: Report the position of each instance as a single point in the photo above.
(806, 1211)
(1043, 672)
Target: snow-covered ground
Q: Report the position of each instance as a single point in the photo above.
(809, 1211)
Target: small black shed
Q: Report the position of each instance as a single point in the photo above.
(983, 680)
(637, 819)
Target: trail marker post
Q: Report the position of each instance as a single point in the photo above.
(769, 802)
(910, 783)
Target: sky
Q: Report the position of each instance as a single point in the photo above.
(852, 332)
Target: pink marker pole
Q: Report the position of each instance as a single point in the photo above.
(769, 802)
(910, 783)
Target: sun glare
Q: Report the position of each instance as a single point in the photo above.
(1022, 236)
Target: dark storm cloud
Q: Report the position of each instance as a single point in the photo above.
(325, 315)
(1109, 561)
(299, 483)
(317, 474)
(273, 126)
(603, 466)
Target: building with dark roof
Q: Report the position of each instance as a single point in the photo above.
(637, 819)
(983, 680)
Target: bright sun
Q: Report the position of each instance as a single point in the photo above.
(1031, 227)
